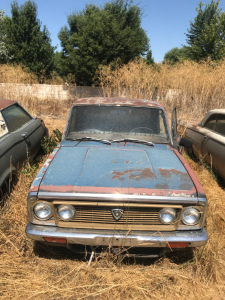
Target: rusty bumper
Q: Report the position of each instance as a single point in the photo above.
(116, 237)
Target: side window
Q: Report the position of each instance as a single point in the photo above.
(220, 125)
(3, 127)
(15, 117)
(210, 123)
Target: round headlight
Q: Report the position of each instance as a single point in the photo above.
(43, 211)
(66, 212)
(191, 216)
(167, 215)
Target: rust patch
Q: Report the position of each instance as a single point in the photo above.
(146, 173)
(5, 102)
(117, 101)
(117, 175)
(162, 186)
(168, 173)
(126, 162)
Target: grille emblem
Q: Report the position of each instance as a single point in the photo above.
(117, 213)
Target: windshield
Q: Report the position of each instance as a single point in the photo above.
(118, 122)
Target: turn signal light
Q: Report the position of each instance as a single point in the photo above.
(177, 245)
(55, 240)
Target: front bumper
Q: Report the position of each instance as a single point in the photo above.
(117, 238)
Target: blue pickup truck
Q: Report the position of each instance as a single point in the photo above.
(118, 180)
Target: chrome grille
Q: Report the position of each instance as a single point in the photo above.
(138, 216)
(99, 216)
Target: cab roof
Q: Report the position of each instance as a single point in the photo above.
(5, 102)
(117, 101)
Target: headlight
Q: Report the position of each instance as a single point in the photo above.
(167, 215)
(191, 216)
(43, 211)
(66, 212)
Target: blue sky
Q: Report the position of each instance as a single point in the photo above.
(165, 21)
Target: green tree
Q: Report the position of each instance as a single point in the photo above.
(206, 36)
(26, 42)
(149, 58)
(4, 56)
(100, 35)
(176, 55)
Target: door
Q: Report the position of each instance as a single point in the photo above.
(22, 140)
(214, 147)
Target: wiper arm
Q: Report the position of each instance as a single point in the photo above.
(134, 141)
(88, 138)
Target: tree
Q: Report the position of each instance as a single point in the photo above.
(25, 41)
(100, 35)
(4, 56)
(176, 55)
(206, 36)
(149, 58)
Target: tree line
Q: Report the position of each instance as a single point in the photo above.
(99, 36)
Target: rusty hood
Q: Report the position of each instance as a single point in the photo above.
(129, 169)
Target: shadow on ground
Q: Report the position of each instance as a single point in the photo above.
(109, 255)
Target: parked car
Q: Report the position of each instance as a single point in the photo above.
(208, 138)
(20, 138)
(118, 180)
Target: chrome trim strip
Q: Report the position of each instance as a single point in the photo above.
(116, 237)
(116, 197)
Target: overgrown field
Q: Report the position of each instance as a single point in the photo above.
(194, 88)
(28, 271)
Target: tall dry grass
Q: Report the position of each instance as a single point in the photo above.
(31, 272)
(28, 271)
(17, 77)
(193, 87)
(19, 74)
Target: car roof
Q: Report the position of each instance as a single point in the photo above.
(220, 111)
(217, 111)
(5, 102)
(118, 101)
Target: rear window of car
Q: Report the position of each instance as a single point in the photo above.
(15, 117)
(211, 122)
(220, 125)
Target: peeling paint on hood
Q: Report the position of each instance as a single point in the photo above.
(111, 169)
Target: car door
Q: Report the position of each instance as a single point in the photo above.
(21, 123)
(22, 141)
(214, 146)
(12, 151)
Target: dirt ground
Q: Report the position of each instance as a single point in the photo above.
(31, 271)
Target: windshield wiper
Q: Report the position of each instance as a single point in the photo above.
(133, 141)
(88, 138)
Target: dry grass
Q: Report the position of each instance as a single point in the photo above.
(194, 88)
(30, 272)
(19, 74)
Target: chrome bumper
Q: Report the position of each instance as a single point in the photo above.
(116, 238)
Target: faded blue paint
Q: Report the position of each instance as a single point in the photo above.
(42, 171)
(132, 165)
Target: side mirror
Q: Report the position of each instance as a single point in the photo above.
(185, 143)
